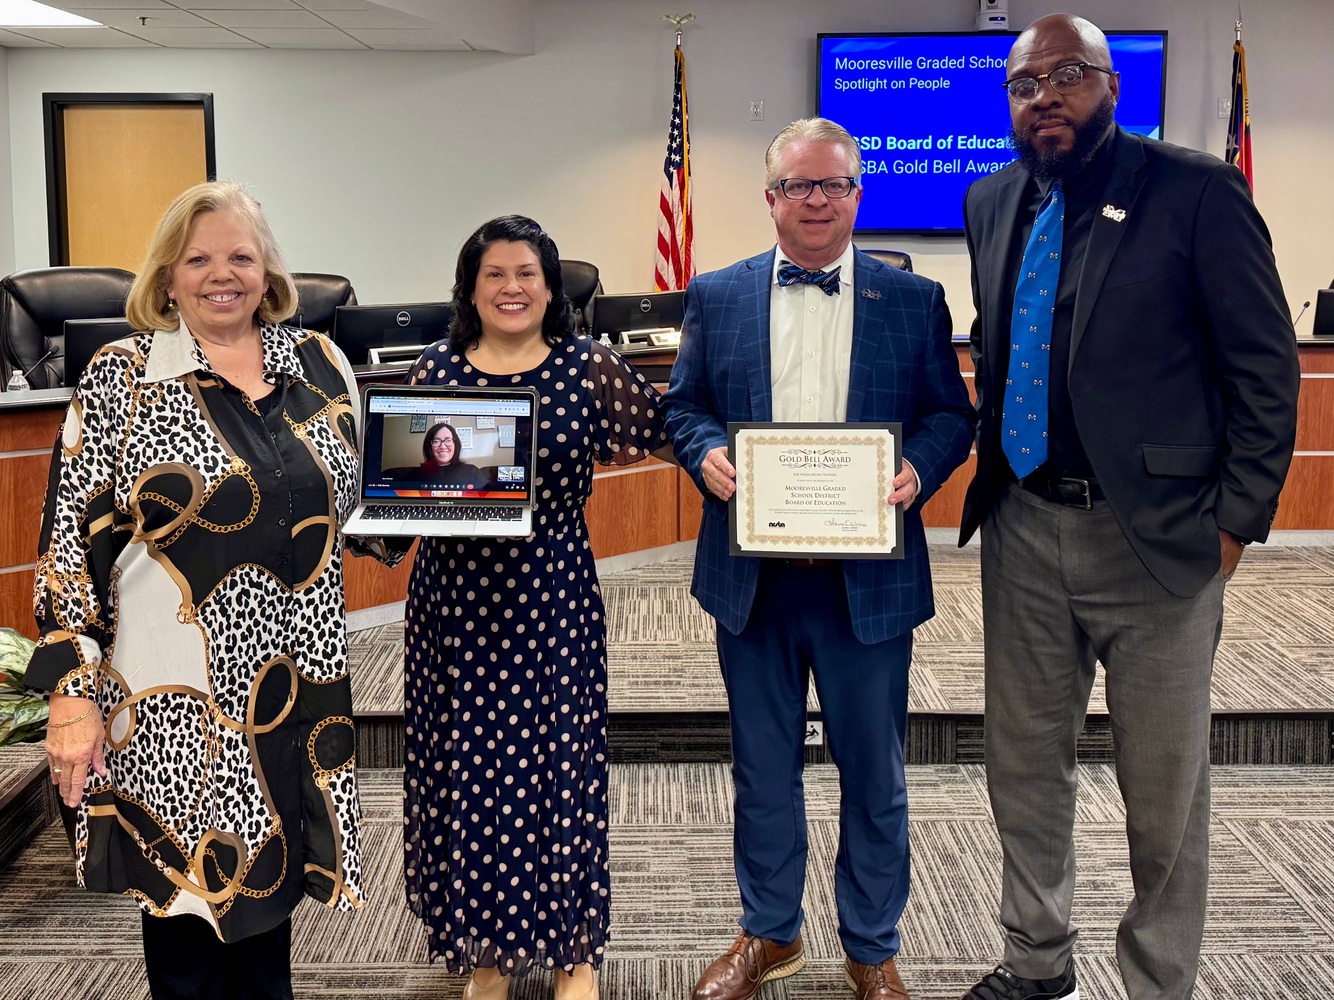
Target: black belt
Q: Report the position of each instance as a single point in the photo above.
(1070, 491)
(810, 562)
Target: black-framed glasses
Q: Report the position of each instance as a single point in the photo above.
(1023, 89)
(801, 188)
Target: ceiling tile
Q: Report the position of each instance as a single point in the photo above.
(204, 5)
(158, 5)
(380, 18)
(301, 38)
(13, 40)
(402, 39)
(86, 38)
(321, 5)
(193, 38)
(158, 17)
(264, 18)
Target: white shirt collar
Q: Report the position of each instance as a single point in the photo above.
(174, 353)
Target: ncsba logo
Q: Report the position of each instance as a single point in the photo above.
(778, 524)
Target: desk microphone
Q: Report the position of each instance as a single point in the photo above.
(1305, 306)
(19, 379)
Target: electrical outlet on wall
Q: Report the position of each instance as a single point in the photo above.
(757, 111)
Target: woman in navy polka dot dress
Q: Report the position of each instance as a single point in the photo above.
(506, 673)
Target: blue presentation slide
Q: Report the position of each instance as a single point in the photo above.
(931, 117)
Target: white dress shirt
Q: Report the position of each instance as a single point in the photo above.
(810, 346)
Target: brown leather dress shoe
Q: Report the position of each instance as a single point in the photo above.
(875, 982)
(749, 963)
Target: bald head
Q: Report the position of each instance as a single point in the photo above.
(1061, 31)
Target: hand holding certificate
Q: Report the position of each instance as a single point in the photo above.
(816, 490)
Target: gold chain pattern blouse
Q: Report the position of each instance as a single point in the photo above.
(189, 581)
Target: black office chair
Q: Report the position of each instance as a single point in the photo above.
(318, 297)
(34, 306)
(581, 284)
(894, 258)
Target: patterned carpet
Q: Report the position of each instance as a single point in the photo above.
(1270, 930)
(1277, 652)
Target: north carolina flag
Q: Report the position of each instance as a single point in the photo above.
(1239, 126)
(674, 263)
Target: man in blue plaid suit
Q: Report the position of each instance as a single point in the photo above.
(816, 331)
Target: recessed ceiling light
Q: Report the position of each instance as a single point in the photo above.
(31, 14)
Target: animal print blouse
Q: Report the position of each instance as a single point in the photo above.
(190, 582)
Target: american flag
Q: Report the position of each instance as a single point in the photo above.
(674, 263)
(1239, 125)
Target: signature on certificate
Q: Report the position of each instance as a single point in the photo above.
(846, 523)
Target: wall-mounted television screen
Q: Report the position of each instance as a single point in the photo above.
(930, 116)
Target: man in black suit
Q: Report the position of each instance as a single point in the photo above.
(1137, 388)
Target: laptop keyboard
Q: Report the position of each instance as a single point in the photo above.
(428, 512)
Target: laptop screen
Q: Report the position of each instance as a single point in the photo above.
(443, 442)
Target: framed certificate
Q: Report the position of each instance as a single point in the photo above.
(816, 491)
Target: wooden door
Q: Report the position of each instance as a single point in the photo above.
(114, 164)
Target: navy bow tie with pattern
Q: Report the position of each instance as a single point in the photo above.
(1024, 411)
(791, 274)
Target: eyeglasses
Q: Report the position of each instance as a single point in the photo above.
(1023, 89)
(801, 188)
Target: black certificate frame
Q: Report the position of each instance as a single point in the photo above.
(895, 430)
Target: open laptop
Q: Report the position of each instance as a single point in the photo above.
(85, 337)
(496, 429)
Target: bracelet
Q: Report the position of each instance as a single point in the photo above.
(62, 725)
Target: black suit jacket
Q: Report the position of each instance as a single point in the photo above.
(1183, 363)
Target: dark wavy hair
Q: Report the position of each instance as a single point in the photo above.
(432, 434)
(465, 329)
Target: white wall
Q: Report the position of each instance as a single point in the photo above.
(6, 203)
(378, 165)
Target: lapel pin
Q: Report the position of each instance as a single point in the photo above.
(1115, 214)
(870, 293)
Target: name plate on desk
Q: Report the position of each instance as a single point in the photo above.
(816, 491)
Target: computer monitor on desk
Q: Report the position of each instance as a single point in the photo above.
(357, 329)
(1323, 325)
(85, 337)
(649, 321)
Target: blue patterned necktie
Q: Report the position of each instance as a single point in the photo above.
(1024, 410)
(791, 274)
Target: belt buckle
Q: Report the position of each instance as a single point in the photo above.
(1084, 485)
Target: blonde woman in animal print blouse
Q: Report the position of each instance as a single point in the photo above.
(190, 596)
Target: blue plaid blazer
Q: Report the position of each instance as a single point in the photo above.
(904, 369)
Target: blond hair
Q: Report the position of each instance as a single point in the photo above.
(810, 130)
(148, 306)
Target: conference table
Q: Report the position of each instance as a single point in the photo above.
(634, 509)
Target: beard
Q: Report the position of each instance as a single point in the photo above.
(1054, 163)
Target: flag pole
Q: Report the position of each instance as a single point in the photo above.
(673, 265)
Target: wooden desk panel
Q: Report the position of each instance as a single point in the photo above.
(22, 491)
(30, 430)
(1306, 498)
(632, 509)
(16, 600)
(945, 509)
(1316, 358)
(1315, 414)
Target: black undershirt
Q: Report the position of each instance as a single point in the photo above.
(1083, 197)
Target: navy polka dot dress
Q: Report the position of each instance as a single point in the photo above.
(506, 690)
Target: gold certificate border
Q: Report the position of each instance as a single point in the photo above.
(879, 440)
